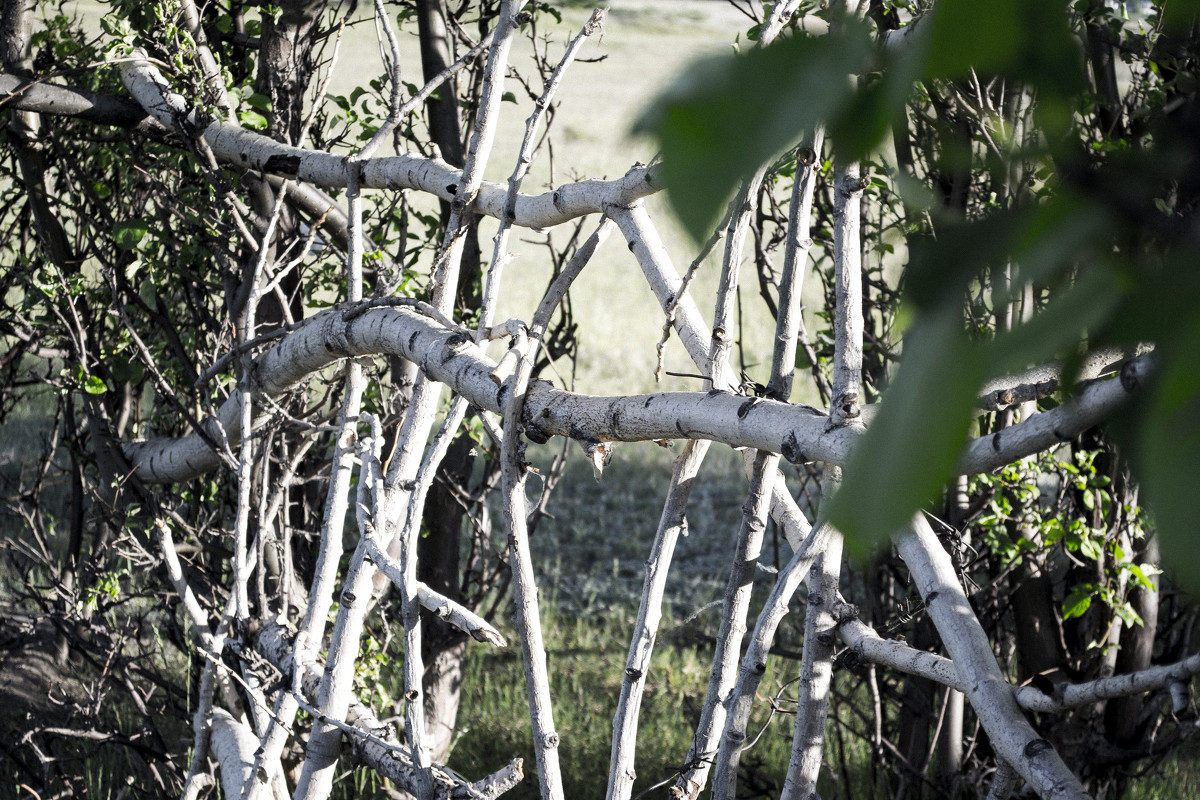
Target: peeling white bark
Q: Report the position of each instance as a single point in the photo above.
(233, 745)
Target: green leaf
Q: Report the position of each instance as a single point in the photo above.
(910, 449)
(94, 385)
(1179, 15)
(729, 115)
(1168, 453)
(1128, 615)
(1091, 547)
(969, 34)
(1078, 601)
(253, 120)
(259, 101)
(128, 234)
(1029, 40)
(1052, 531)
(1142, 578)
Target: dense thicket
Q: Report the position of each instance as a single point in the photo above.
(232, 301)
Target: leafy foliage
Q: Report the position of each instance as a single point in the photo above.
(1097, 218)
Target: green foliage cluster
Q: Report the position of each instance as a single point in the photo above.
(1064, 504)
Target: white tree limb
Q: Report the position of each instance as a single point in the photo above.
(797, 432)
(991, 696)
(249, 150)
(672, 524)
(233, 745)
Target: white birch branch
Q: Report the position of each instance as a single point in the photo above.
(249, 150)
(869, 646)
(754, 662)
(500, 255)
(1012, 737)
(441, 606)
(797, 432)
(335, 692)
(233, 745)
(734, 609)
(672, 524)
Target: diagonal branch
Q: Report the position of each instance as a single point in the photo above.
(991, 696)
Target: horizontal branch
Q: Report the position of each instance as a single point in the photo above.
(867, 645)
(1044, 380)
(799, 433)
(238, 146)
(68, 101)
(1090, 405)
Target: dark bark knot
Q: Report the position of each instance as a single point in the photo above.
(455, 344)
(633, 674)
(534, 430)
(848, 405)
(1129, 377)
(825, 638)
(815, 599)
(746, 407)
(929, 598)
(844, 612)
(790, 449)
(411, 695)
(550, 740)
(283, 165)
(452, 188)
(996, 442)
(1036, 748)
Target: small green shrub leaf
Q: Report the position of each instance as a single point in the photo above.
(127, 235)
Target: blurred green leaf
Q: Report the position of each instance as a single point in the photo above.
(986, 36)
(1078, 601)
(911, 447)
(253, 120)
(1168, 454)
(94, 385)
(128, 234)
(729, 115)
